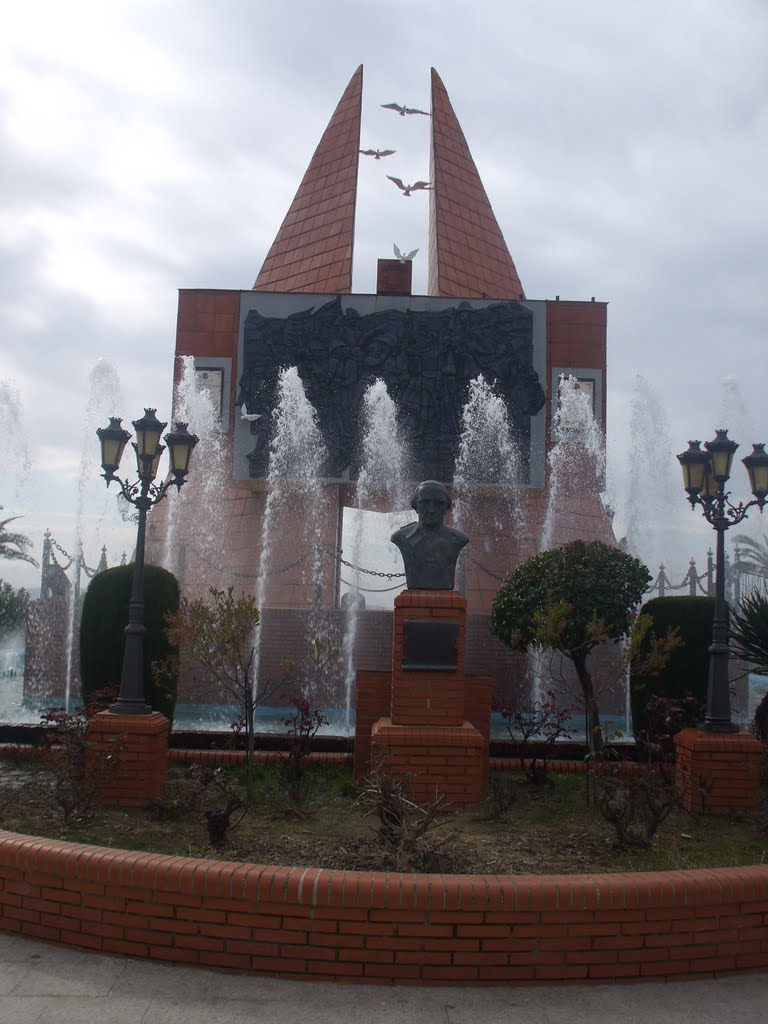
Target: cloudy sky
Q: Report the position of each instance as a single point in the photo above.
(151, 145)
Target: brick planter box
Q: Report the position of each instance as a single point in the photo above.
(313, 924)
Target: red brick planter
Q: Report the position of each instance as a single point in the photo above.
(307, 923)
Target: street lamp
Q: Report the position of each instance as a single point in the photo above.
(705, 474)
(143, 494)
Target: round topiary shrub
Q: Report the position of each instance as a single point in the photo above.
(102, 633)
(687, 668)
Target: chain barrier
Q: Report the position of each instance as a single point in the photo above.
(485, 569)
(691, 581)
(336, 555)
(89, 572)
(236, 574)
(370, 590)
(358, 568)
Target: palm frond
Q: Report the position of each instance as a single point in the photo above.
(749, 631)
(753, 554)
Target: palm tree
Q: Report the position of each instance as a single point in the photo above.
(753, 557)
(749, 641)
(13, 545)
(749, 631)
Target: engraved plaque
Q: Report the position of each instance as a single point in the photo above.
(430, 645)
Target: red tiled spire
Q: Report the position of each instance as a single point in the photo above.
(313, 248)
(468, 257)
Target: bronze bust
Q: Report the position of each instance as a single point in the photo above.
(429, 547)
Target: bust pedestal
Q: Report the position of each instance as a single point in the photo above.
(434, 722)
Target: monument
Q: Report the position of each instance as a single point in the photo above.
(437, 726)
(475, 323)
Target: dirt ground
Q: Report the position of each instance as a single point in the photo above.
(547, 829)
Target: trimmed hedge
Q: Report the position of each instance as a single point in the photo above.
(102, 632)
(687, 670)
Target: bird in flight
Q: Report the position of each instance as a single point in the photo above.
(402, 111)
(407, 189)
(403, 258)
(251, 417)
(377, 154)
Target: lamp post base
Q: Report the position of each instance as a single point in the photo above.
(130, 754)
(718, 772)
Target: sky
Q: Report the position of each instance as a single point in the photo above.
(151, 145)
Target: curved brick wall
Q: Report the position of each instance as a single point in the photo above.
(359, 926)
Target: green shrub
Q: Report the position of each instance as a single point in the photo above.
(687, 668)
(102, 633)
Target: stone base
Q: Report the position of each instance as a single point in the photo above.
(718, 772)
(439, 760)
(141, 743)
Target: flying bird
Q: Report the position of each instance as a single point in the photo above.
(251, 417)
(407, 189)
(377, 154)
(402, 258)
(402, 111)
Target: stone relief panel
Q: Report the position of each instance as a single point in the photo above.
(426, 357)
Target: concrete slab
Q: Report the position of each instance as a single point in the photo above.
(114, 1010)
(22, 1010)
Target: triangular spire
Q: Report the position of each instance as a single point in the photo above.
(468, 257)
(313, 248)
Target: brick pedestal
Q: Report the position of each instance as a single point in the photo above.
(426, 722)
(718, 772)
(141, 744)
(440, 759)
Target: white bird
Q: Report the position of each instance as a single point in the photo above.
(249, 416)
(402, 258)
(407, 189)
(402, 111)
(377, 154)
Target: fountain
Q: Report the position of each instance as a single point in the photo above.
(652, 493)
(380, 484)
(103, 398)
(15, 457)
(199, 499)
(576, 461)
(294, 499)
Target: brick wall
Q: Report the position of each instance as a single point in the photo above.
(312, 924)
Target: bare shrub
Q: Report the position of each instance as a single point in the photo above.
(75, 768)
(411, 837)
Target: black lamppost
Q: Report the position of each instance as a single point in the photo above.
(144, 493)
(705, 474)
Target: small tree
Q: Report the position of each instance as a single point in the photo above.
(216, 638)
(571, 599)
(534, 732)
(302, 726)
(76, 769)
(102, 633)
(13, 610)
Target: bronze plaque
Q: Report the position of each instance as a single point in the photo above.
(430, 645)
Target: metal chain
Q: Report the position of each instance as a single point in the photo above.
(55, 560)
(484, 568)
(370, 590)
(89, 572)
(61, 550)
(250, 575)
(358, 568)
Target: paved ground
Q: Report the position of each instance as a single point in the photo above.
(41, 984)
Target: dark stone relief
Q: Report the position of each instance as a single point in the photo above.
(426, 358)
